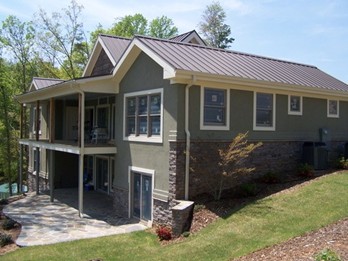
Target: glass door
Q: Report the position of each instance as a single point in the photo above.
(102, 173)
(142, 196)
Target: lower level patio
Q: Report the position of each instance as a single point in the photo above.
(44, 222)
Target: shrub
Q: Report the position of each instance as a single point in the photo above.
(8, 224)
(270, 178)
(5, 239)
(164, 233)
(342, 163)
(327, 255)
(3, 201)
(198, 207)
(305, 170)
(249, 189)
(186, 234)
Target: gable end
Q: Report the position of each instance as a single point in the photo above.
(103, 65)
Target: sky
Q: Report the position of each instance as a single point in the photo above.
(313, 32)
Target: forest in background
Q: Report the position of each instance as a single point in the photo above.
(56, 45)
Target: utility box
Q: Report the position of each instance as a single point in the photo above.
(315, 154)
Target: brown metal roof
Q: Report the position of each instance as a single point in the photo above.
(45, 82)
(202, 59)
(115, 45)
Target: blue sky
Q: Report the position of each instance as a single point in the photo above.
(313, 32)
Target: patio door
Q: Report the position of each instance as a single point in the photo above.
(141, 196)
(102, 174)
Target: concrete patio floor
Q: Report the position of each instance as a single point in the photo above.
(44, 222)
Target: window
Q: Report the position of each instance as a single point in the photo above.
(34, 120)
(264, 111)
(36, 160)
(143, 116)
(214, 109)
(295, 105)
(333, 108)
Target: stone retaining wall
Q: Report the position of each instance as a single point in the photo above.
(43, 183)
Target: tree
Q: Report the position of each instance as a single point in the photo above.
(129, 25)
(18, 38)
(230, 163)
(61, 37)
(8, 124)
(216, 32)
(163, 27)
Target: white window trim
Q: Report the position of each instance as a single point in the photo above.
(213, 127)
(149, 172)
(259, 128)
(290, 112)
(329, 115)
(142, 138)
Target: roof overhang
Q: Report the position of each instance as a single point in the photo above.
(87, 84)
(204, 79)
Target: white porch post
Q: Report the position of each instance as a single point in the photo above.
(81, 141)
(81, 185)
(37, 130)
(51, 176)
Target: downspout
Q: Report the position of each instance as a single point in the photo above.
(188, 137)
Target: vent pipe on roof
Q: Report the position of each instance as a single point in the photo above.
(188, 136)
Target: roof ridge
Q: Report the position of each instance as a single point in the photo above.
(115, 36)
(224, 50)
(44, 78)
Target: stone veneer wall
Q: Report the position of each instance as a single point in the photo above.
(43, 183)
(276, 156)
(120, 201)
(162, 211)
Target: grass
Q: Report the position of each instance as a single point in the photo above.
(263, 223)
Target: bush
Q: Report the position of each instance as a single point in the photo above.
(5, 239)
(8, 224)
(249, 189)
(305, 170)
(164, 233)
(327, 255)
(342, 163)
(3, 201)
(186, 234)
(198, 207)
(270, 178)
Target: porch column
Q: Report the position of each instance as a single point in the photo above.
(81, 156)
(20, 183)
(51, 140)
(81, 144)
(51, 176)
(37, 130)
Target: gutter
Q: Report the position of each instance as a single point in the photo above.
(188, 137)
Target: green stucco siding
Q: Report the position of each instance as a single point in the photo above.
(145, 74)
(288, 127)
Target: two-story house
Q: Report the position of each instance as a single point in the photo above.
(144, 107)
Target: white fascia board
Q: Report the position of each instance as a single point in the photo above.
(93, 58)
(107, 51)
(132, 52)
(184, 77)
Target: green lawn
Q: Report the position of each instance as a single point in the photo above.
(260, 224)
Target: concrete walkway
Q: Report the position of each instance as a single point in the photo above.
(44, 222)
